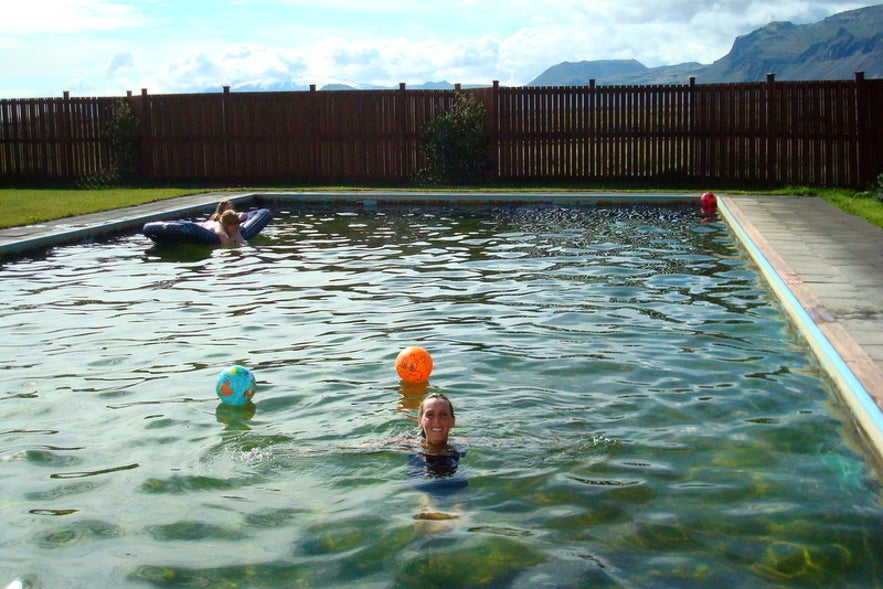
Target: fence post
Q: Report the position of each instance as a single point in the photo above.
(225, 132)
(66, 137)
(690, 116)
(147, 156)
(404, 160)
(592, 142)
(864, 175)
(773, 120)
(495, 129)
(6, 160)
(315, 148)
(135, 164)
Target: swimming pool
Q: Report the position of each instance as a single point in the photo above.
(635, 409)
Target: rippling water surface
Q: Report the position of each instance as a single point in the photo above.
(635, 410)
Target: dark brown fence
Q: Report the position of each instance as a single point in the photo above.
(823, 133)
(53, 138)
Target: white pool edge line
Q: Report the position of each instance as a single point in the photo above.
(850, 388)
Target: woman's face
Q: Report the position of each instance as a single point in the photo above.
(436, 420)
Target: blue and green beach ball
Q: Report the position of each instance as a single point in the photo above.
(235, 385)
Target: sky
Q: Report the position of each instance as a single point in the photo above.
(108, 47)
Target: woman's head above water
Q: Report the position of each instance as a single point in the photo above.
(436, 419)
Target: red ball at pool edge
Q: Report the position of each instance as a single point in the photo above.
(708, 203)
(414, 364)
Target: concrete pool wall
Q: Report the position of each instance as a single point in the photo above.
(856, 377)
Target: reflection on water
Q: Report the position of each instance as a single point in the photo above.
(635, 408)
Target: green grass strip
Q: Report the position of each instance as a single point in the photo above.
(867, 208)
(26, 207)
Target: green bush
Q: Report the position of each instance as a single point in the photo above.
(98, 180)
(456, 144)
(875, 191)
(123, 133)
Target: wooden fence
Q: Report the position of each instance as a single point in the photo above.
(822, 133)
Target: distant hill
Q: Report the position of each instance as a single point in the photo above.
(288, 86)
(579, 74)
(443, 85)
(615, 71)
(832, 49)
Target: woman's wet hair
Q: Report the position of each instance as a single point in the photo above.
(222, 206)
(229, 218)
(435, 396)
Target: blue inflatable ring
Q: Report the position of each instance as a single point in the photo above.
(181, 231)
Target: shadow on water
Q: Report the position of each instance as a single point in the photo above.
(190, 252)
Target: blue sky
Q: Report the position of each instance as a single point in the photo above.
(106, 47)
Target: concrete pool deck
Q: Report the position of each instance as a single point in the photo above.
(829, 265)
(830, 262)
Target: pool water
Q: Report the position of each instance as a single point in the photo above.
(634, 408)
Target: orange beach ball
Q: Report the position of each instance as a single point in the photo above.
(414, 364)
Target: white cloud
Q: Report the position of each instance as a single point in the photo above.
(67, 16)
(390, 61)
(686, 30)
(114, 45)
(120, 60)
(237, 65)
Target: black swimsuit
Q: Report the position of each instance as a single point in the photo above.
(437, 473)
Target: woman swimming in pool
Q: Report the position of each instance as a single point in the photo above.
(434, 466)
(223, 206)
(226, 228)
(436, 458)
(436, 419)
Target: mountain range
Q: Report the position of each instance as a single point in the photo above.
(832, 49)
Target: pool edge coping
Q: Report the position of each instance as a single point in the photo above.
(856, 378)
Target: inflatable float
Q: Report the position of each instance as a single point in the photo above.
(181, 231)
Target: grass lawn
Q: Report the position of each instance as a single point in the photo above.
(26, 206)
(866, 208)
